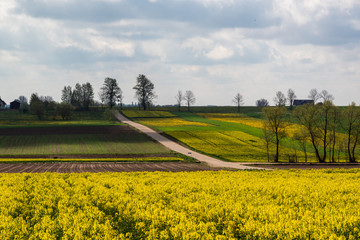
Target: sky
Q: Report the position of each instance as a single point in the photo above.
(215, 48)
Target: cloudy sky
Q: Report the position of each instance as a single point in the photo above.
(216, 48)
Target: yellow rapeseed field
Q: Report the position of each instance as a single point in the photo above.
(170, 122)
(234, 118)
(201, 205)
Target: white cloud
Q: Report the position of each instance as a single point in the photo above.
(220, 53)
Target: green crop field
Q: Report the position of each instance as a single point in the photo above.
(11, 119)
(84, 144)
(202, 205)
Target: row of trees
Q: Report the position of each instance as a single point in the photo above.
(320, 127)
(188, 97)
(41, 105)
(280, 99)
(82, 96)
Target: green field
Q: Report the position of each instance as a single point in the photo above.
(202, 205)
(84, 144)
(79, 118)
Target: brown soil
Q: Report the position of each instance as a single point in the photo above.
(72, 167)
(65, 130)
(88, 156)
(305, 166)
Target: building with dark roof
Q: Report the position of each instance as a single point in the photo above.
(2, 104)
(299, 102)
(15, 104)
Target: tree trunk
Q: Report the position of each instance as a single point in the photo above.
(277, 150)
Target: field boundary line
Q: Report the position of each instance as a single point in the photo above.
(212, 162)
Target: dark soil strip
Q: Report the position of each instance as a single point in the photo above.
(74, 167)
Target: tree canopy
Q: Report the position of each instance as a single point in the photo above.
(144, 91)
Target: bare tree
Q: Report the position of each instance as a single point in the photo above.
(325, 96)
(262, 103)
(144, 91)
(351, 124)
(179, 98)
(317, 120)
(23, 99)
(110, 92)
(268, 137)
(314, 95)
(334, 119)
(189, 98)
(238, 100)
(301, 136)
(291, 97)
(280, 99)
(276, 124)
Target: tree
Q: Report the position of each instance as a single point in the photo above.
(317, 121)
(24, 106)
(280, 99)
(325, 96)
(144, 91)
(179, 98)
(23, 99)
(314, 95)
(87, 95)
(82, 96)
(351, 124)
(276, 124)
(291, 97)
(301, 137)
(268, 137)
(110, 92)
(37, 107)
(64, 110)
(262, 103)
(238, 100)
(76, 96)
(333, 123)
(189, 98)
(66, 96)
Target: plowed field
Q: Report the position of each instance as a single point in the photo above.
(73, 167)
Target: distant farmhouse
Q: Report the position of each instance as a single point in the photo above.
(299, 102)
(15, 104)
(2, 104)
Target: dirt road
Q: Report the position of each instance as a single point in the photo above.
(212, 162)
